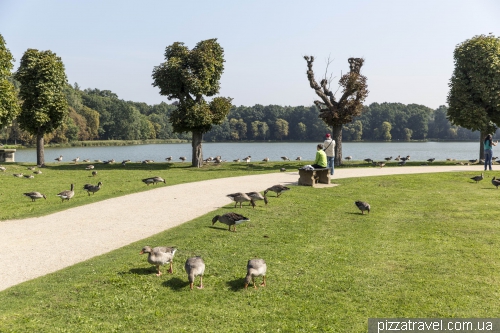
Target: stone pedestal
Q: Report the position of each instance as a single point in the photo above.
(7, 155)
(311, 177)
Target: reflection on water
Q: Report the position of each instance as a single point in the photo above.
(419, 151)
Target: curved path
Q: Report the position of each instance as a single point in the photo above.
(103, 226)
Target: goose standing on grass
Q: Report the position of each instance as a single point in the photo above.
(278, 189)
(35, 195)
(430, 160)
(168, 159)
(284, 158)
(348, 158)
(241, 198)
(256, 267)
(37, 172)
(2, 168)
(18, 175)
(94, 173)
(76, 160)
(92, 188)
(363, 206)
(29, 176)
(182, 158)
(298, 158)
(194, 267)
(230, 219)
(67, 194)
(153, 180)
(266, 159)
(495, 182)
(247, 159)
(160, 255)
(89, 167)
(58, 159)
(398, 158)
(478, 178)
(388, 158)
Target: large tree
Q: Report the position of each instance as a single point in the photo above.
(350, 105)
(9, 108)
(44, 104)
(474, 97)
(188, 76)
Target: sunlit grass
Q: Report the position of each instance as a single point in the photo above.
(429, 248)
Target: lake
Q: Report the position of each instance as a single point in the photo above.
(419, 151)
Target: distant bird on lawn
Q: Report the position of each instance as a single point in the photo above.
(495, 182)
(29, 176)
(153, 180)
(282, 170)
(401, 163)
(388, 158)
(247, 159)
(168, 159)
(160, 255)
(37, 172)
(257, 196)
(266, 159)
(348, 158)
(407, 158)
(182, 158)
(237, 160)
(89, 167)
(256, 267)
(278, 189)
(86, 160)
(18, 175)
(31, 168)
(58, 159)
(194, 267)
(284, 158)
(92, 188)
(2, 168)
(478, 178)
(474, 161)
(230, 219)
(430, 160)
(67, 194)
(398, 158)
(363, 206)
(94, 173)
(368, 160)
(35, 195)
(76, 160)
(240, 197)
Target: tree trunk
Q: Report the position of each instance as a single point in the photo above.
(481, 144)
(337, 136)
(197, 160)
(40, 158)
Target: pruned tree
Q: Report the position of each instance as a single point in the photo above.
(188, 76)
(44, 104)
(350, 104)
(9, 107)
(474, 97)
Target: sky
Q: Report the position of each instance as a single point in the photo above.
(114, 45)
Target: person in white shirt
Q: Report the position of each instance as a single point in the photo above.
(329, 145)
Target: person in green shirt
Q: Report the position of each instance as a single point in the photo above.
(320, 161)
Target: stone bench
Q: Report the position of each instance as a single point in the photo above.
(7, 155)
(312, 177)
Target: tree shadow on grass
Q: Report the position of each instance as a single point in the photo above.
(176, 284)
(237, 284)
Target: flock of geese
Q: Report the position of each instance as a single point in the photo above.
(494, 181)
(195, 266)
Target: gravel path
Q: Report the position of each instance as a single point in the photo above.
(103, 226)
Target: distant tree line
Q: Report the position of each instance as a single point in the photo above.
(100, 115)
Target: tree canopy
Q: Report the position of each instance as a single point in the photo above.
(474, 97)
(189, 76)
(9, 107)
(42, 78)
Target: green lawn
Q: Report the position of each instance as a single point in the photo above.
(429, 248)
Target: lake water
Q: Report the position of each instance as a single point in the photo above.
(419, 151)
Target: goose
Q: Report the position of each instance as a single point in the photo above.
(363, 206)
(182, 158)
(430, 160)
(230, 219)
(98, 161)
(92, 188)
(474, 161)
(284, 158)
(401, 163)
(257, 196)
(388, 158)
(35, 195)
(168, 159)
(160, 255)
(67, 194)
(477, 178)
(282, 170)
(18, 175)
(94, 173)
(31, 168)
(381, 164)
(2, 168)
(398, 158)
(29, 176)
(256, 267)
(277, 189)
(37, 172)
(237, 160)
(86, 160)
(298, 158)
(407, 158)
(153, 180)
(368, 160)
(495, 182)
(240, 197)
(348, 158)
(89, 167)
(76, 160)
(58, 159)
(266, 159)
(194, 267)
(247, 159)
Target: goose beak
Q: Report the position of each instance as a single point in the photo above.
(142, 252)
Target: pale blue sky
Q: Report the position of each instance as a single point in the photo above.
(114, 45)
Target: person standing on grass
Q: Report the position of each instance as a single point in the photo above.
(320, 161)
(488, 150)
(329, 145)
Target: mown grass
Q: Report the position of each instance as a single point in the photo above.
(429, 248)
